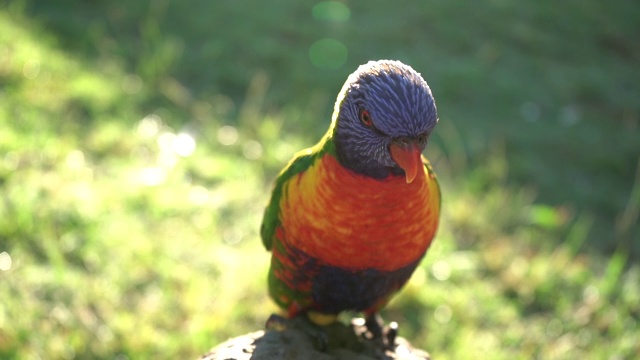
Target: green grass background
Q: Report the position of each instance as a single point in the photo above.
(139, 141)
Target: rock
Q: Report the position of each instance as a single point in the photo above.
(296, 340)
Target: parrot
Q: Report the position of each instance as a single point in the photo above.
(350, 218)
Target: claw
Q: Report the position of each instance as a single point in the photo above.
(385, 335)
(374, 323)
(392, 333)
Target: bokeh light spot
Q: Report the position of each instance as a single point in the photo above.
(131, 84)
(227, 135)
(149, 126)
(5, 261)
(75, 159)
(441, 270)
(591, 294)
(252, 150)
(585, 336)
(198, 195)
(331, 11)
(232, 236)
(328, 53)
(152, 176)
(442, 314)
(554, 328)
(184, 144)
(165, 141)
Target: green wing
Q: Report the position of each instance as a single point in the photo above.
(432, 173)
(301, 162)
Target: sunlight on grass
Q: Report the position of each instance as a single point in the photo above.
(131, 205)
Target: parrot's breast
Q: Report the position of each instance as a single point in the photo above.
(351, 221)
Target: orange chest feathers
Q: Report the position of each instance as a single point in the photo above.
(352, 221)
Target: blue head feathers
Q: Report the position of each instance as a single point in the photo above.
(381, 104)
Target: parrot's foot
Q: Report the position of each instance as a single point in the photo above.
(377, 331)
(314, 331)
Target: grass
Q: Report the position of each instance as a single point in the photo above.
(140, 140)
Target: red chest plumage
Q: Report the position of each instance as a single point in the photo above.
(354, 222)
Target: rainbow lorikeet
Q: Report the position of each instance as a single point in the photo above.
(351, 217)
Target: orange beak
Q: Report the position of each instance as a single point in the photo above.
(408, 157)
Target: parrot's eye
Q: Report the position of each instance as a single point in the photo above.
(365, 117)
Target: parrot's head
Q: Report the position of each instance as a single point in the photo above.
(382, 120)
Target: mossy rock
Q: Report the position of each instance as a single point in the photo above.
(294, 341)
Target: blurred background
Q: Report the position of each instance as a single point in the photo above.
(140, 140)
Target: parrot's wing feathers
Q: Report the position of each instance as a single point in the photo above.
(300, 163)
(432, 174)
